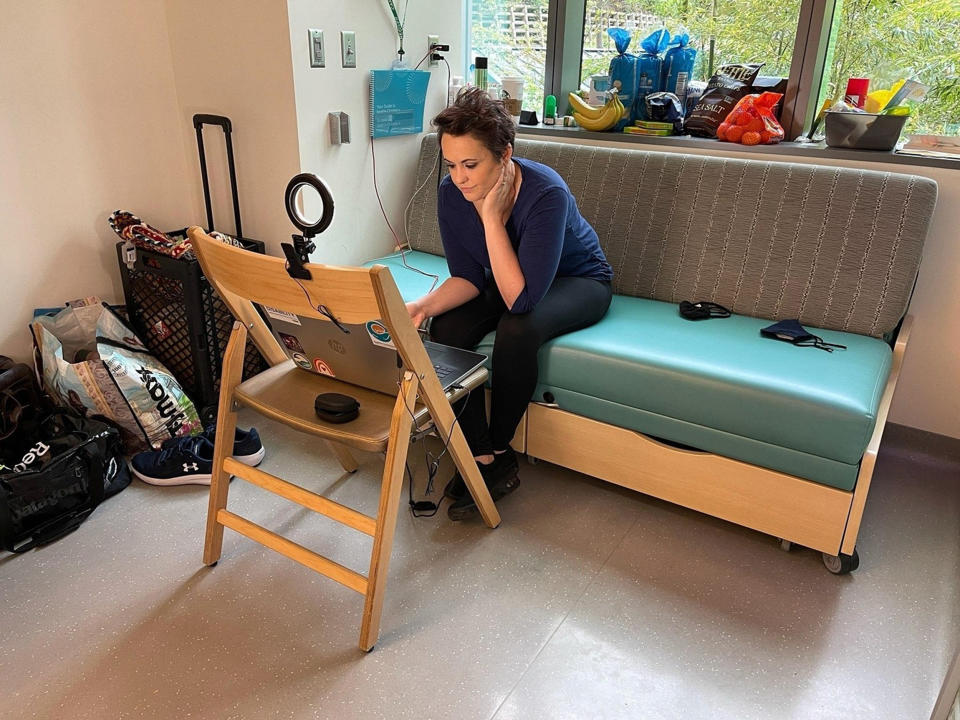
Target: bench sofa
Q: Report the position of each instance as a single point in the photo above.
(709, 414)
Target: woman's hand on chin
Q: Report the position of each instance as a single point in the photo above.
(498, 202)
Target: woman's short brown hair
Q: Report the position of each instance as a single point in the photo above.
(474, 113)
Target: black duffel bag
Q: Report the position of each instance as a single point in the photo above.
(55, 468)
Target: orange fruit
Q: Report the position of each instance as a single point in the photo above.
(722, 131)
(734, 133)
(755, 124)
(764, 136)
(751, 138)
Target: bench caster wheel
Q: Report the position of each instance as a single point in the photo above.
(842, 564)
(786, 545)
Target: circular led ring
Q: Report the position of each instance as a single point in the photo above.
(309, 180)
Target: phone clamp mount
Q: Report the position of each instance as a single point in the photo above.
(298, 253)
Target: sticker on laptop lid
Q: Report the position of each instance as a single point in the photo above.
(301, 360)
(321, 367)
(379, 334)
(281, 315)
(292, 342)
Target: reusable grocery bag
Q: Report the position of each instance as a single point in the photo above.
(92, 362)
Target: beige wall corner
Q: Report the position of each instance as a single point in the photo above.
(233, 59)
(88, 125)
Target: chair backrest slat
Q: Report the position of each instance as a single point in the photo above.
(353, 295)
(346, 292)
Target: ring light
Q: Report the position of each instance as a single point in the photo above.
(303, 225)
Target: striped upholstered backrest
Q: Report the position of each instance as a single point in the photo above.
(838, 248)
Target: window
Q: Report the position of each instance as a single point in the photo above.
(723, 31)
(889, 40)
(513, 38)
(817, 45)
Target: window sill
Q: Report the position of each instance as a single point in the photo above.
(787, 149)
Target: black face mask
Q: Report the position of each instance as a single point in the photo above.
(792, 331)
(702, 310)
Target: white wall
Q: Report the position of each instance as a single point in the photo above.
(359, 231)
(927, 395)
(88, 125)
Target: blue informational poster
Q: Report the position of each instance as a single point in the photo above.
(397, 99)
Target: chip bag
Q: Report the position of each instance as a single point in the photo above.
(751, 122)
(728, 84)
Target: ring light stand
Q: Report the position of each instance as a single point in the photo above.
(298, 254)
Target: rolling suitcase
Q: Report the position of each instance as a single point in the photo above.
(172, 306)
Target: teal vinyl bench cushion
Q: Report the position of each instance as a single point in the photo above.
(714, 384)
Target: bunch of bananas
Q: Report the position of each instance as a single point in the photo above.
(597, 118)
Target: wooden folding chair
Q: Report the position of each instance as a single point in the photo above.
(286, 394)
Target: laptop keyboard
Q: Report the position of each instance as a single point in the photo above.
(442, 370)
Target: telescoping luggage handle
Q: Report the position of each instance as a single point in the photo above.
(199, 121)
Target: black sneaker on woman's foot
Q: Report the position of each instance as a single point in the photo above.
(456, 489)
(501, 479)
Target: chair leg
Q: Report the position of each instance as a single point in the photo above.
(390, 490)
(347, 461)
(223, 445)
(445, 420)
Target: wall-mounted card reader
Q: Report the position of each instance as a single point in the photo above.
(339, 128)
(317, 56)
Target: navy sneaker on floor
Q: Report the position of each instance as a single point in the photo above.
(247, 447)
(189, 461)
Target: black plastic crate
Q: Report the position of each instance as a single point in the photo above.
(182, 320)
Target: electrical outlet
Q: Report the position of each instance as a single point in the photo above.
(348, 48)
(317, 55)
(431, 41)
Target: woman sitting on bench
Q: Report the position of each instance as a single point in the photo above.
(523, 261)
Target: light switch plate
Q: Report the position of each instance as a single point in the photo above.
(317, 55)
(348, 48)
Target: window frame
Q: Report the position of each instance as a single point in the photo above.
(564, 54)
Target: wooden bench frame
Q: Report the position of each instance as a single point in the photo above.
(791, 508)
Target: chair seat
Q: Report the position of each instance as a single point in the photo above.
(286, 394)
(713, 384)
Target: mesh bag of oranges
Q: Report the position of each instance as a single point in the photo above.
(751, 122)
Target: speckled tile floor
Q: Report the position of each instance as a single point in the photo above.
(588, 602)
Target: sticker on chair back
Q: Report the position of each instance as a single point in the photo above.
(301, 360)
(379, 334)
(281, 315)
(321, 367)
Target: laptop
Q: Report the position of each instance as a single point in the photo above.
(362, 355)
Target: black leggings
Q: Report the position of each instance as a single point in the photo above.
(570, 304)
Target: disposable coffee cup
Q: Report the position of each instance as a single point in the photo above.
(513, 96)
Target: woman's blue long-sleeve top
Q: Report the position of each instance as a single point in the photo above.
(547, 231)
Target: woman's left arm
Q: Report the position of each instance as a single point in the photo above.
(524, 278)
